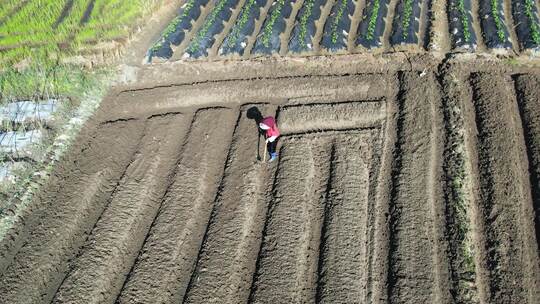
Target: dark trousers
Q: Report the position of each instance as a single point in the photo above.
(272, 146)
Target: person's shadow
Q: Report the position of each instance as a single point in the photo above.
(255, 114)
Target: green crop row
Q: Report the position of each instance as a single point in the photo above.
(337, 19)
(195, 44)
(533, 25)
(406, 21)
(464, 21)
(373, 20)
(171, 28)
(497, 20)
(269, 27)
(244, 17)
(35, 17)
(308, 5)
(7, 6)
(46, 30)
(37, 25)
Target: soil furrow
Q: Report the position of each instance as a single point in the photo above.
(389, 24)
(511, 25)
(42, 263)
(413, 271)
(287, 267)
(99, 272)
(504, 193)
(163, 269)
(342, 270)
(462, 216)
(225, 269)
(335, 116)
(425, 23)
(529, 104)
(381, 181)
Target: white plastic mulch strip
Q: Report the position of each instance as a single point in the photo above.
(19, 142)
(22, 111)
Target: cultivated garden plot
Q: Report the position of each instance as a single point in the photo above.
(415, 186)
(254, 28)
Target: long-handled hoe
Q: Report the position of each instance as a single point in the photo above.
(265, 147)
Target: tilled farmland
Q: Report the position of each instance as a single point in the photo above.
(416, 184)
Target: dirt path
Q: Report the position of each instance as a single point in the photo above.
(287, 266)
(414, 249)
(504, 192)
(344, 249)
(529, 105)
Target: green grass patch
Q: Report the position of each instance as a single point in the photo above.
(38, 25)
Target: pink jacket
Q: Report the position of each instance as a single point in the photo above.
(271, 122)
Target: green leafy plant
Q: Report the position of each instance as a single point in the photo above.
(337, 19)
(497, 20)
(406, 21)
(308, 10)
(195, 44)
(464, 17)
(533, 25)
(244, 17)
(171, 28)
(269, 27)
(373, 20)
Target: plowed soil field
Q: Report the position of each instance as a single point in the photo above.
(398, 181)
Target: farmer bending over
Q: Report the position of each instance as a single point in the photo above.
(269, 125)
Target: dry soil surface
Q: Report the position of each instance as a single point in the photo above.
(411, 181)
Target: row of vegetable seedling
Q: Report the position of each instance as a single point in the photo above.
(252, 27)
